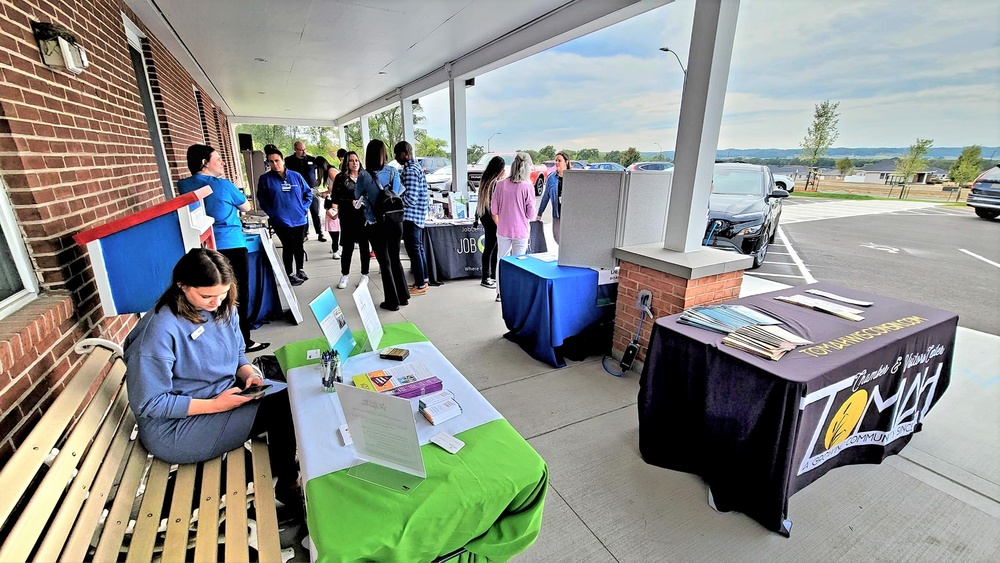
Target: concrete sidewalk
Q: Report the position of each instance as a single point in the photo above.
(939, 500)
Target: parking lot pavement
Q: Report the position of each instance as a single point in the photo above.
(835, 209)
(941, 256)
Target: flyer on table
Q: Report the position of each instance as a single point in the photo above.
(333, 323)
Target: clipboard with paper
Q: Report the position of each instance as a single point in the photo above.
(385, 439)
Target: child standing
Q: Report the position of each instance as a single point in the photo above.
(332, 224)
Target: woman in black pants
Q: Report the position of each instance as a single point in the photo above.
(495, 171)
(285, 196)
(384, 236)
(352, 220)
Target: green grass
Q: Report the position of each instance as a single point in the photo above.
(836, 195)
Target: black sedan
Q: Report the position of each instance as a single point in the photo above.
(744, 209)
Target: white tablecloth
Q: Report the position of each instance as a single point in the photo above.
(318, 415)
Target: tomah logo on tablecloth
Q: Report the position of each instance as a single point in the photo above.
(881, 405)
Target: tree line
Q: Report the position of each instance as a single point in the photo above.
(820, 136)
(822, 132)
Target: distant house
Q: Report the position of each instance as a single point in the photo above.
(884, 172)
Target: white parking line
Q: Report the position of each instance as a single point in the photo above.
(795, 257)
(776, 275)
(974, 255)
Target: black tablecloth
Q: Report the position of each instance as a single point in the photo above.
(455, 251)
(758, 430)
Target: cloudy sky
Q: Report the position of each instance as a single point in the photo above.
(901, 70)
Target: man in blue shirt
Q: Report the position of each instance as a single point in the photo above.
(416, 200)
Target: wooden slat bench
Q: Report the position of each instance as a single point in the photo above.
(104, 498)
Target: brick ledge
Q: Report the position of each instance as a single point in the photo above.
(31, 324)
(685, 265)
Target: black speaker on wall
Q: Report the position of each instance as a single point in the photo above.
(246, 141)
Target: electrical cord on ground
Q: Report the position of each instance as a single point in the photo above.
(642, 303)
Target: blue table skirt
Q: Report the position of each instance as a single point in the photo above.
(263, 303)
(544, 304)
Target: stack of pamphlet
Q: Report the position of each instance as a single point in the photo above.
(725, 318)
(439, 407)
(766, 341)
(746, 329)
(825, 306)
(406, 381)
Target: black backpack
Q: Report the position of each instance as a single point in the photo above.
(388, 205)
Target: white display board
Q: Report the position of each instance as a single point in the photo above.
(285, 292)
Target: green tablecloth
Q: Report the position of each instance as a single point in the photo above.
(487, 499)
(392, 335)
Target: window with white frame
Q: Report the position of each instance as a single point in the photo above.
(18, 285)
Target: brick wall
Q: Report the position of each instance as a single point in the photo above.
(671, 294)
(75, 152)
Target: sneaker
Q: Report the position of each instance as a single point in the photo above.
(344, 280)
(336, 256)
(418, 291)
(363, 280)
(388, 307)
(301, 274)
(321, 238)
(435, 284)
(295, 280)
(488, 284)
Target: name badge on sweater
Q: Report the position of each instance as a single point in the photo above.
(197, 332)
(286, 187)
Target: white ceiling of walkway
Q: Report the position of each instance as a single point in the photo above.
(314, 61)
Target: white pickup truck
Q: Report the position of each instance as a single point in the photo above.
(538, 171)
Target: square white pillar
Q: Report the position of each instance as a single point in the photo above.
(406, 111)
(702, 101)
(459, 136)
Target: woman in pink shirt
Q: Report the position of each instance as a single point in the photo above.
(513, 207)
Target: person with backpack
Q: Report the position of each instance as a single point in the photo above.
(378, 187)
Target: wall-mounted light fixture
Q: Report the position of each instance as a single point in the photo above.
(59, 47)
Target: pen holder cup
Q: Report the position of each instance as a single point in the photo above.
(330, 375)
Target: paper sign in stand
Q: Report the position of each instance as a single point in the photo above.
(385, 439)
(333, 323)
(369, 316)
(287, 295)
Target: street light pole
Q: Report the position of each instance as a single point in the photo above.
(490, 139)
(679, 63)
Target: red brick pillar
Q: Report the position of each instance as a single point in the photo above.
(671, 294)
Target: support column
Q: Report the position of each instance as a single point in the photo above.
(459, 136)
(711, 51)
(680, 272)
(366, 134)
(406, 111)
(342, 133)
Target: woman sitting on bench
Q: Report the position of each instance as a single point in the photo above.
(186, 368)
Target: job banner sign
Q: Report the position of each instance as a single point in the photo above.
(875, 408)
(455, 251)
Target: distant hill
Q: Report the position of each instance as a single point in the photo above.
(836, 152)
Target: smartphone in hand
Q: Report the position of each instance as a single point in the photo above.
(254, 391)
